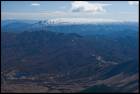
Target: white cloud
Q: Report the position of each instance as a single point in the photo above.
(35, 4)
(133, 3)
(84, 6)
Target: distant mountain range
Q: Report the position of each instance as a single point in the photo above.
(70, 27)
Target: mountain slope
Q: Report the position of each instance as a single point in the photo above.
(62, 59)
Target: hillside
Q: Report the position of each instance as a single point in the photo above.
(69, 62)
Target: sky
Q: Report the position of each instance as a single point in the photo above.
(82, 10)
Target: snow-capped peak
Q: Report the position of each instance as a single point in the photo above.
(79, 21)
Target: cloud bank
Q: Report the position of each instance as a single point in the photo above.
(84, 6)
(135, 3)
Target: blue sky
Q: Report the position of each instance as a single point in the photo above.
(40, 10)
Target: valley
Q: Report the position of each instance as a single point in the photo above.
(48, 61)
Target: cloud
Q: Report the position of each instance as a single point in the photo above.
(135, 3)
(70, 16)
(84, 6)
(35, 4)
(35, 15)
